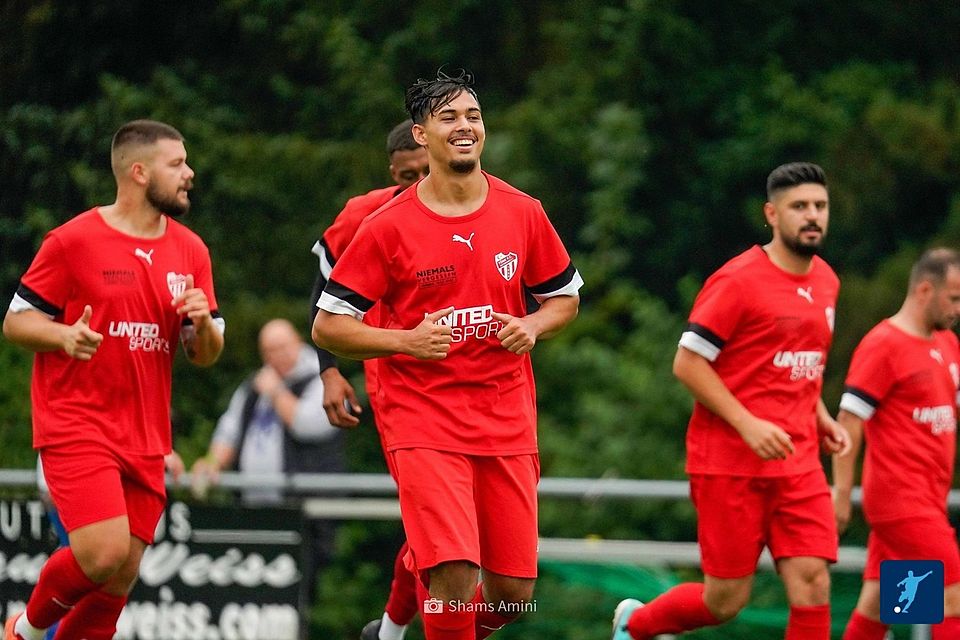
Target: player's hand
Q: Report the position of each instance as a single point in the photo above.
(834, 438)
(766, 439)
(193, 303)
(841, 508)
(429, 340)
(517, 335)
(338, 395)
(174, 464)
(79, 340)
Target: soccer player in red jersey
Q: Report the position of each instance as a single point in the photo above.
(901, 396)
(449, 261)
(103, 304)
(408, 164)
(753, 356)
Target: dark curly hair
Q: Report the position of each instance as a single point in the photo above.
(426, 97)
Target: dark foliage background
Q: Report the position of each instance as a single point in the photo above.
(646, 128)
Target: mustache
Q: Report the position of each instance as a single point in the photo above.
(811, 227)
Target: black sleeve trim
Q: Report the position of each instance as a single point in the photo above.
(349, 296)
(706, 334)
(318, 286)
(37, 301)
(862, 395)
(327, 252)
(555, 283)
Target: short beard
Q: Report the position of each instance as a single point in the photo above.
(800, 249)
(463, 166)
(170, 206)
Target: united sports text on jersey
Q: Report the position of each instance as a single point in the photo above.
(472, 322)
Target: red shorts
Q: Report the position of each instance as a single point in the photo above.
(90, 483)
(923, 538)
(482, 509)
(737, 516)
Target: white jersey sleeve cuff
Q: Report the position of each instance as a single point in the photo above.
(857, 406)
(18, 305)
(332, 304)
(570, 289)
(326, 266)
(699, 345)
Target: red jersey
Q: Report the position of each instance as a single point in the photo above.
(905, 389)
(120, 398)
(480, 399)
(767, 333)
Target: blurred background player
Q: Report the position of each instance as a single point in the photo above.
(900, 395)
(753, 356)
(275, 423)
(103, 304)
(449, 261)
(408, 164)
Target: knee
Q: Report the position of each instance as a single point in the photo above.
(103, 561)
(728, 606)
(515, 591)
(454, 581)
(816, 583)
(808, 585)
(725, 600)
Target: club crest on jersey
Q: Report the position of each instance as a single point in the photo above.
(506, 264)
(831, 314)
(176, 283)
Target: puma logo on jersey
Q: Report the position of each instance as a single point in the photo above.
(806, 294)
(935, 354)
(467, 241)
(146, 255)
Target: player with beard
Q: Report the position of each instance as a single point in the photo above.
(753, 356)
(103, 304)
(449, 261)
(901, 395)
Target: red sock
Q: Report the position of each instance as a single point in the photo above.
(61, 585)
(402, 604)
(860, 627)
(949, 629)
(487, 621)
(679, 609)
(93, 618)
(445, 624)
(809, 623)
